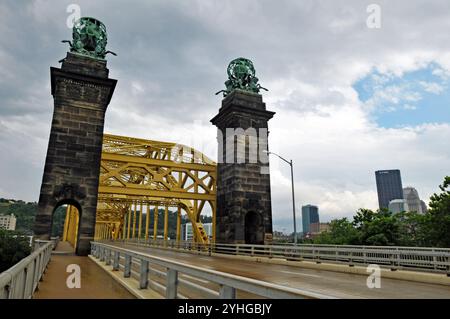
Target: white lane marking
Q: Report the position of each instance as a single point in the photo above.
(195, 278)
(298, 273)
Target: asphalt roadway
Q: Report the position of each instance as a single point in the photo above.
(334, 284)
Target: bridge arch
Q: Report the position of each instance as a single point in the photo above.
(72, 216)
(138, 175)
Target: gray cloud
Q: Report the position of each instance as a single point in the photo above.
(172, 58)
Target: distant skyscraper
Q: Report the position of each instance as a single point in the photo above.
(398, 206)
(389, 186)
(412, 199)
(310, 215)
(424, 207)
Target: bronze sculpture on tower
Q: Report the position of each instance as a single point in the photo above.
(244, 210)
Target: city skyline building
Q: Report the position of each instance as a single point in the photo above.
(310, 215)
(389, 186)
(413, 201)
(8, 222)
(397, 206)
(424, 207)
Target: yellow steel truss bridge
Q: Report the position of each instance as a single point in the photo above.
(137, 176)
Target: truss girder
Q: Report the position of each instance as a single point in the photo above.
(155, 173)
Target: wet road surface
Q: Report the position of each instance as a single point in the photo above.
(335, 284)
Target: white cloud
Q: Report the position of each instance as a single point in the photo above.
(432, 87)
(390, 97)
(409, 107)
(441, 73)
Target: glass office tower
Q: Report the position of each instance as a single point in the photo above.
(310, 215)
(389, 186)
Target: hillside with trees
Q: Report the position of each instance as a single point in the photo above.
(24, 212)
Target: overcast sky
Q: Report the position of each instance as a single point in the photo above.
(349, 99)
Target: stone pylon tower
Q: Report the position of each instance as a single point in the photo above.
(81, 91)
(244, 211)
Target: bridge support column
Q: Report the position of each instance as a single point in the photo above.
(81, 91)
(244, 211)
(147, 222)
(129, 223)
(124, 226)
(133, 235)
(179, 224)
(166, 222)
(155, 223)
(140, 222)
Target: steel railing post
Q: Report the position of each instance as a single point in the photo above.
(227, 292)
(116, 260)
(127, 268)
(171, 284)
(102, 254)
(108, 257)
(143, 278)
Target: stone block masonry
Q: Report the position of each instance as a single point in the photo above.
(81, 91)
(244, 211)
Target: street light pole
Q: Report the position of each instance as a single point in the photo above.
(293, 195)
(293, 202)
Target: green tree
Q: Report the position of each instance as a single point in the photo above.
(59, 217)
(383, 228)
(363, 217)
(413, 229)
(13, 247)
(380, 228)
(341, 232)
(439, 216)
(382, 231)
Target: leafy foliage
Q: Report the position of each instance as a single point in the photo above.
(382, 228)
(341, 232)
(439, 216)
(59, 217)
(13, 247)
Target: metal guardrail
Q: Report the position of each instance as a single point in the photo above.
(125, 259)
(55, 241)
(393, 257)
(21, 280)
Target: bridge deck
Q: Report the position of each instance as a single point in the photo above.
(95, 283)
(340, 285)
